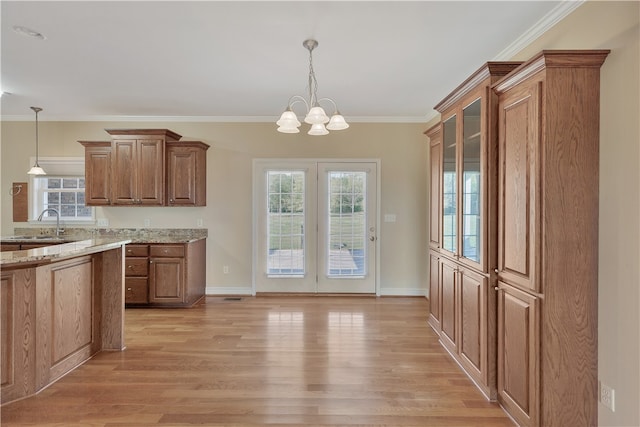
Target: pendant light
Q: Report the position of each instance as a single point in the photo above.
(36, 169)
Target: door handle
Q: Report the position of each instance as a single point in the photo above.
(372, 238)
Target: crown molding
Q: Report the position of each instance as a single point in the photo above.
(211, 119)
(539, 28)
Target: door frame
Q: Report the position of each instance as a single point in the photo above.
(279, 162)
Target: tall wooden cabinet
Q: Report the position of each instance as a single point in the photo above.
(548, 239)
(463, 224)
(145, 167)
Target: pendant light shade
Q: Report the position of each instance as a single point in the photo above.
(316, 115)
(36, 169)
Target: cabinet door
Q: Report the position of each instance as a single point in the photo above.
(473, 322)
(518, 354)
(150, 171)
(436, 181)
(434, 292)
(472, 189)
(166, 280)
(182, 176)
(136, 290)
(449, 296)
(97, 176)
(518, 212)
(124, 170)
(449, 187)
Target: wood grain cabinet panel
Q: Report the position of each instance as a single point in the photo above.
(165, 274)
(518, 341)
(435, 178)
(463, 223)
(548, 239)
(17, 339)
(145, 167)
(138, 171)
(166, 280)
(97, 160)
(187, 174)
(435, 303)
(473, 320)
(449, 319)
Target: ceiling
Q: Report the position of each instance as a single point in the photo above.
(241, 61)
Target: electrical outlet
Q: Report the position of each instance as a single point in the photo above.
(607, 396)
(225, 269)
(199, 222)
(103, 222)
(147, 222)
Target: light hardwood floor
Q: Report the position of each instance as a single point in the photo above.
(301, 361)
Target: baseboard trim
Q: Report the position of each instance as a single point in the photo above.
(385, 292)
(403, 292)
(228, 290)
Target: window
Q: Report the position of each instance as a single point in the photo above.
(285, 226)
(62, 189)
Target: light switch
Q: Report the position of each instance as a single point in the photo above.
(389, 217)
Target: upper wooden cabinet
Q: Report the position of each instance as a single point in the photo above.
(145, 167)
(186, 173)
(97, 160)
(468, 179)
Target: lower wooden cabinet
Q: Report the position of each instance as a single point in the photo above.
(463, 309)
(165, 274)
(434, 291)
(518, 343)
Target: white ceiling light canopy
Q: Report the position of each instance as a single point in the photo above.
(316, 116)
(36, 169)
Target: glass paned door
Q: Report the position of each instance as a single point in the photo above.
(285, 225)
(449, 185)
(347, 227)
(471, 182)
(315, 226)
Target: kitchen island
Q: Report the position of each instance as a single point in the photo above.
(59, 305)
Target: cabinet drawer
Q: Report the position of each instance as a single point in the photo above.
(136, 291)
(137, 250)
(136, 266)
(167, 251)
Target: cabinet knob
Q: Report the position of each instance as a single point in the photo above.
(129, 266)
(150, 262)
(129, 251)
(496, 288)
(495, 270)
(170, 200)
(129, 289)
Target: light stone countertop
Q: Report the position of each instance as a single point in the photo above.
(49, 254)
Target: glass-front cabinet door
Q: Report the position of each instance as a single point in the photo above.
(471, 224)
(449, 186)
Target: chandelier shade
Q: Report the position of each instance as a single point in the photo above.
(315, 114)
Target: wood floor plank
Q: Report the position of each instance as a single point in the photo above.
(321, 361)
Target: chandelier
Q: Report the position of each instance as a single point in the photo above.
(316, 117)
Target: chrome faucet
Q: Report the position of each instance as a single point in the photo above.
(58, 229)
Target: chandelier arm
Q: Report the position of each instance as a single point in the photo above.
(296, 99)
(335, 106)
